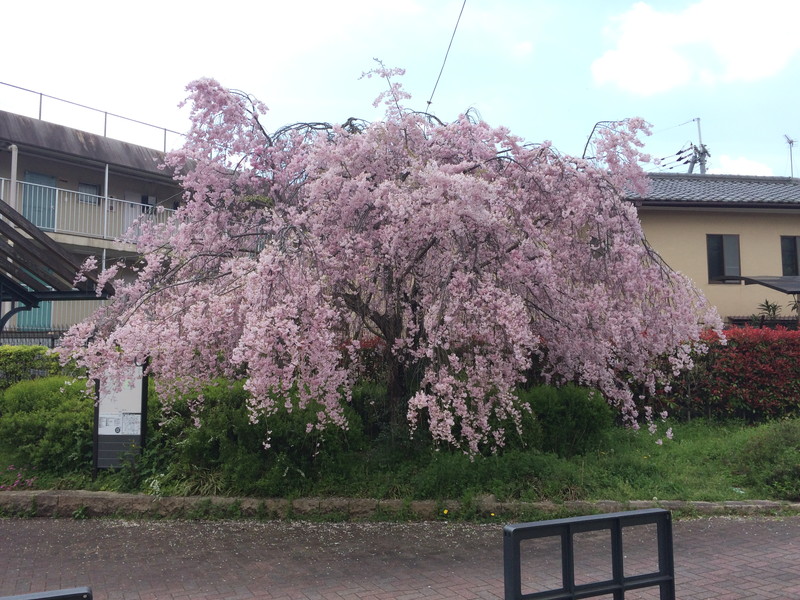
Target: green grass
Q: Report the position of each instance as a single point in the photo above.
(571, 451)
(705, 461)
(699, 464)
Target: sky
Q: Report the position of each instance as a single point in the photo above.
(726, 71)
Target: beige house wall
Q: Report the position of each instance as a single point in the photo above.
(679, 235)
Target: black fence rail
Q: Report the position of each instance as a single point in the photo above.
(565, 530)
(18, 337)
(81, 593)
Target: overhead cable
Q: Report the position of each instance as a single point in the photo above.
(444, 62)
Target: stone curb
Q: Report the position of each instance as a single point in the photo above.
(84, 504)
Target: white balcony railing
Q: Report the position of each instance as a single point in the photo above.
(66, 211)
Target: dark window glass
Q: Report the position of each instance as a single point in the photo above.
(723, 257)
(716, 263)
(789, 254)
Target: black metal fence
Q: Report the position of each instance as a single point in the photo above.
(613, 582)
(18, 337)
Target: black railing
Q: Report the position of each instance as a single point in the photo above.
(20, 337)
(565, 530)
(81, 593)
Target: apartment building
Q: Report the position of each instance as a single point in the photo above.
(88, 192)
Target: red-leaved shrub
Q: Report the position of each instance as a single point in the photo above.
(754, 376)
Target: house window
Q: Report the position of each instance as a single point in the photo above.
(723, 257)
(148, 204)
(88, 193)
(790, 250)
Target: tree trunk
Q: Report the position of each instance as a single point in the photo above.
(397, 392)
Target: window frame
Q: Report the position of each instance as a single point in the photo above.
(792, 267)
(724, 257)
(88, 198)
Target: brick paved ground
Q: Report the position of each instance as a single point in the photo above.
(715, 558)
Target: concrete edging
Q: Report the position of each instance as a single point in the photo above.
(84, 504)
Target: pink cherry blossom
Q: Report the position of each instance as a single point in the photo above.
(471, 254)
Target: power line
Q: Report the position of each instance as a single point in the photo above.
(679, 153)
(673, 126)
(435, 85)
(672, 161)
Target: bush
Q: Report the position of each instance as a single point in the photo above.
(19, 363)
(226, 453)
(770, 460)
(755, 377)
(572, 420)
(47, 424)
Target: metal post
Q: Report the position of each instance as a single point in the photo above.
(666, 559)
(107, 206)
(55, 210)
(617, 564)
(12, 196)
(6, 317)
(567, 560)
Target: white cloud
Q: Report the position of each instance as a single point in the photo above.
(729, 165)
(709, 42)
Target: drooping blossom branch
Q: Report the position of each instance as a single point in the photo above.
(469, 253)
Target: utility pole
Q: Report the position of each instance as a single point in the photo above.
(700, 152)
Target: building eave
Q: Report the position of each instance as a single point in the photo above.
(57, 142)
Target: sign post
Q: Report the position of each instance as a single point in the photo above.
(120, 420)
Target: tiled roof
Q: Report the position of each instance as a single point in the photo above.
(684, 189)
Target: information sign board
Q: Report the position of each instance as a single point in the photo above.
(120, 417)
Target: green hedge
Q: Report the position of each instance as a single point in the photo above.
(226, 453)
(18, 363)
(47, 424)
(754, 376)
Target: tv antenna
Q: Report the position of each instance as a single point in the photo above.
(790, 141)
